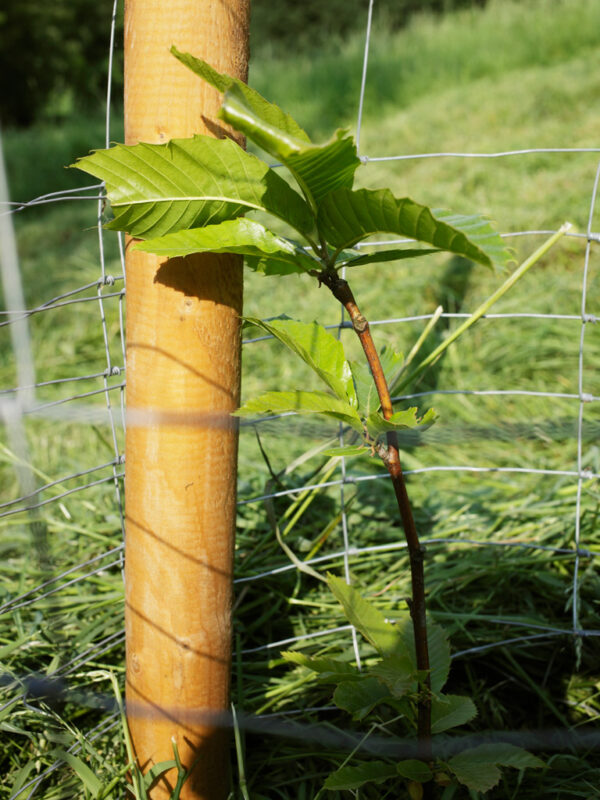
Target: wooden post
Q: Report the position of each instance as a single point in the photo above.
(183, 374)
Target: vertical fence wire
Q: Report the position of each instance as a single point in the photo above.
(584, 398)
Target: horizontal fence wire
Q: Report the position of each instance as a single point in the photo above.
(36, 493)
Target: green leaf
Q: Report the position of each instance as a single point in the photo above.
(349, 451)
(414, 770)
(450, 710)
(368, 399)
(478, 768)
(366, 393)
(269, 112)
(319, 169)
(479, 230)
(232, 236)
(302, 403)
(156, 189)
(367, 619)
(269, 267)
(377, 425)
(397, 673)
(383, 255)
(390, 362)
(156, 771)
(83, 772)
(316, 347)
(330, 670)
(439, 650)
(360, 697)
(347, 217)
(439, 656)
(355, 777)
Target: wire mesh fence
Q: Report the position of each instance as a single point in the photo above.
(511, 476)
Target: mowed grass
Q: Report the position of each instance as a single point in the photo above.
(500, 543)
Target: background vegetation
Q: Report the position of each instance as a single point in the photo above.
(509, 75)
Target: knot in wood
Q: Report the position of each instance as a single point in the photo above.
(360, 323)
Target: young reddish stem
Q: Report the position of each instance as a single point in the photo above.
(391, 458)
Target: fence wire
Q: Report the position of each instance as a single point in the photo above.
(34, 511)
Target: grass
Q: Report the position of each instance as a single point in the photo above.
(527, 81)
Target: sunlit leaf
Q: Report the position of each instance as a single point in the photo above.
(232, 236)
(319, 169)
(316, 347)
(267, 111)
(378, 425)
(302, 403)
(156, 189)
(366, 391)
(269, 267)
(384, 256)
(347, 217)
(366, 618)
(328, 669)
(349, 451)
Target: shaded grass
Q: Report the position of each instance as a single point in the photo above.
(527, 80)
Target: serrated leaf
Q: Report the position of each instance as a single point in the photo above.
(302, 403)
(377, 425)
(397, 673)
(477, 768)
(360, 697)
(367, 619)
(439, 649)
(267, 111)
(480, 230)
(347, 778)
(366, 391)
(319, 169)
(349, 451)
(328, 669)
(240, 235)
(316, 347)
(322, 168)
(155, 189)
(269, 267)
(439, 656)
(414, 770)
(449, 711)
(347, 217)
(391, 361)
(476, 776)
(383, 256)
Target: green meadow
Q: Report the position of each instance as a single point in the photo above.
(501, 563)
